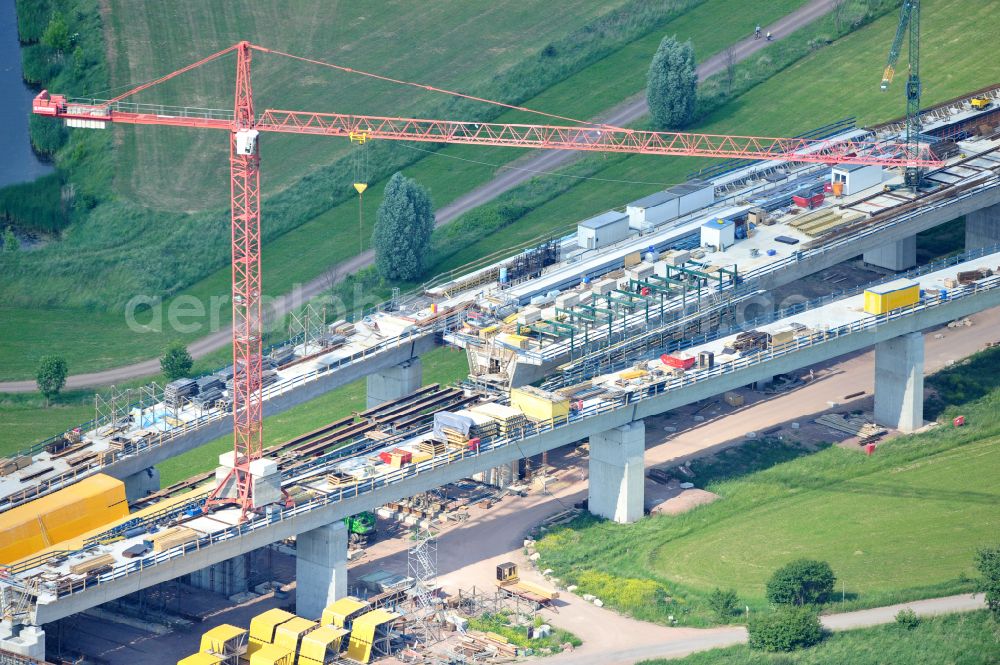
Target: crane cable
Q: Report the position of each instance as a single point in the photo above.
(430, 88)
(360, 180)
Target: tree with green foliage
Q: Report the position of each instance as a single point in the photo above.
(10, 241)
(786, 629)
(56, 35)
(988, 563)
(403, 227)
(176, 362)
(724, 604)
(801, 582)
(51, 376)
(672, 84)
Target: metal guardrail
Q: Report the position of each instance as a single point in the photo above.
(213, 415)
(489, 444)
(577, 374)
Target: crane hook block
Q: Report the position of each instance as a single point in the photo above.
(361, 187)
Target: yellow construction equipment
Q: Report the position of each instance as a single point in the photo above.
(272, 654)
(321, 646)
(85, 505)
(263, 627)
(342, 613)
(226, 641)
(980, 103)
(366, 631)
(289, 634)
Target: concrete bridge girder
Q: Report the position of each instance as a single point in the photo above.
(261, 535)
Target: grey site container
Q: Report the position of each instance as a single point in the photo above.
(602, 230)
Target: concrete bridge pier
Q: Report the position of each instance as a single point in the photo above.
(899, 382)
(617, 473)
(226, 578)
(142, 483)
(23, 640)
(982, 228)
(395, 382)
(320, 568)
(898, 255)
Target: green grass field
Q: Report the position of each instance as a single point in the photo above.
(899, 525)
(443, 365)
(957, 639)
(309, 249)
(836, 81)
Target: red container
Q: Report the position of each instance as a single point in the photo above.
(800, 201)
(385, 456)
(674, 361)
(958, 421)
(869, 449)
(405, 455)
(816, 200)
(474, 444)
(828, 187)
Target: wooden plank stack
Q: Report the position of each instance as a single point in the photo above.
(178, 535)
(432, 447)
(93, 565)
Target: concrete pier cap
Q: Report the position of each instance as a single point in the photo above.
(395, 382)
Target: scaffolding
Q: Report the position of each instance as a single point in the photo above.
(311, 324)
(421, 565)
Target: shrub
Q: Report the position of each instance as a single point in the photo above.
(988, 563)
(724, 604)
(786, 629)
(907, 618)
(801, 582)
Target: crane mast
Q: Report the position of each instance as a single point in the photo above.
(245, 124)
(908, 30)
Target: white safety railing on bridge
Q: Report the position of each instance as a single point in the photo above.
(628, 397)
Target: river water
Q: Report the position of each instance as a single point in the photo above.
(18, 163)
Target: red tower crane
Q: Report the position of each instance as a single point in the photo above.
(244, 126)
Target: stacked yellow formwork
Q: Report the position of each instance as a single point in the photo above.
(289, 634)
(226, 641)
(364, 633)
(178, 535)
(321, 645)
(263, 627)
(342, 612)
(85, 505)
(272, 654)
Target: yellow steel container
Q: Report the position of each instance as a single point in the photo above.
(289, 634)
(262, 628)
(201, 659)
(91, 503)
(272, 654)
(539, 404)
(321, 645)
(222, 639)
(891, 295)
(341, 613)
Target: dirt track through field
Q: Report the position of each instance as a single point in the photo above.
(513, 175)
